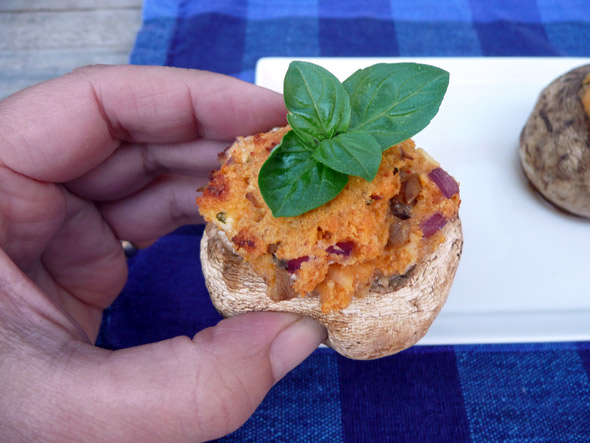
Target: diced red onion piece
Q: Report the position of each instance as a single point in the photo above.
(341, 248)
(432, 225)
(447, 184)
(295, 263)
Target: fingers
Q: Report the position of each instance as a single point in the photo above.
(60, 129)
(165, 204)
(205, 388)
(30, 212)
(84, 264)
(175, 390)
(133, 166)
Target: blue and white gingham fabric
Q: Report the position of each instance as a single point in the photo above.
(229, 36)
(517, 393)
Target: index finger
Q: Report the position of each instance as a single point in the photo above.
(62, 128)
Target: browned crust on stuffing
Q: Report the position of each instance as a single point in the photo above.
(333, 252)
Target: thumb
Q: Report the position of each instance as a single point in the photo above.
(199, 389)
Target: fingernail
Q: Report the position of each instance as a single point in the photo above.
(294, 344)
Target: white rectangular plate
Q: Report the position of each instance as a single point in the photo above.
(525, 271)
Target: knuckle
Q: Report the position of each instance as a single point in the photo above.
(88, 70)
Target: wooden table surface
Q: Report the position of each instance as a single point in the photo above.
(42, 39)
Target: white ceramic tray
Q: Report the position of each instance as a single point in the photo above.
(525, 271)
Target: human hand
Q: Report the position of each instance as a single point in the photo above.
(99, 155)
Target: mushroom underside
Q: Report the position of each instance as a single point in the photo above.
(381, 323)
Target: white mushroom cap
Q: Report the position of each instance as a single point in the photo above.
(383, 322)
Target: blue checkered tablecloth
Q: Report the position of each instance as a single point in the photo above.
(520, 392)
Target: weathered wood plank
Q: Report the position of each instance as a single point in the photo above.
(68, 29)
(43, 39)
(30, 67)
(64, 5)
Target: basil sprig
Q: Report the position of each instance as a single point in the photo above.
(341, 129)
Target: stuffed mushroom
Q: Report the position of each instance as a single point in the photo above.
(555, 143)
(374, 266)
(338, 216)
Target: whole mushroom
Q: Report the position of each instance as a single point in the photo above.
(555, 142)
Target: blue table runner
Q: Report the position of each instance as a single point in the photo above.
(519, 392)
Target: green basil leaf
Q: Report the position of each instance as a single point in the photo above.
(292, 182)
(318, 104)
(352, 153)
(395, 101)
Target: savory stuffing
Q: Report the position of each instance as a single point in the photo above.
(585, 94)
(370, 231)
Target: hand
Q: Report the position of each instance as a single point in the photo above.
(99, 155)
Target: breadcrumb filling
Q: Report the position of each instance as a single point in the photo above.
(371, 230)
(585, 95)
